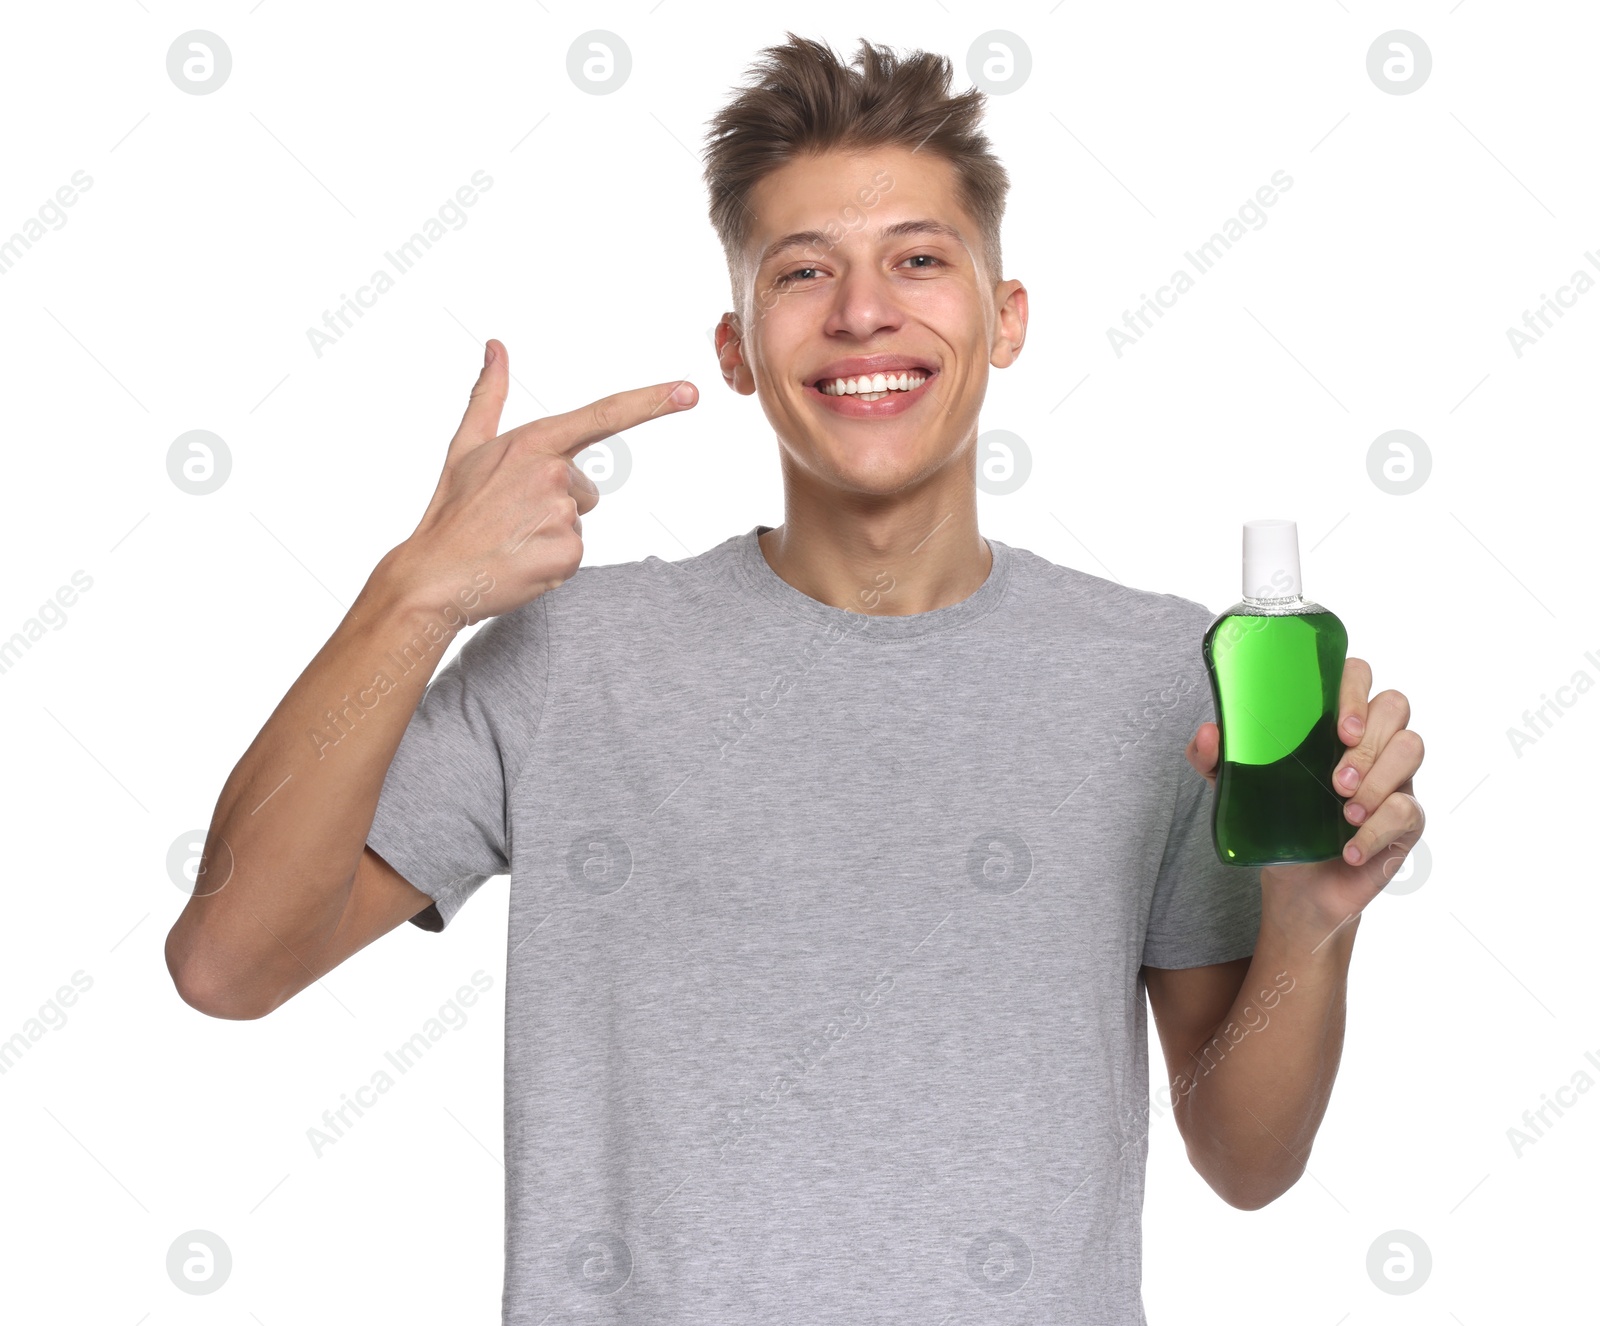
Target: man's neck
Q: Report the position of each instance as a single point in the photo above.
(906, 558)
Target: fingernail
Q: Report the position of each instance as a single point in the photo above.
(682, 394)
(1348, 777)
(1355, 812)
(488, 353)
(1352, 854)
(1353, 725)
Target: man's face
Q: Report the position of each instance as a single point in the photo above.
(863, 263)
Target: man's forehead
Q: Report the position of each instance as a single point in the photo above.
(825, 196)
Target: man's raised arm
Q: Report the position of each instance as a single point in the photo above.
(275, 904)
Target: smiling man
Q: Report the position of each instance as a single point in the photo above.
(843, 854)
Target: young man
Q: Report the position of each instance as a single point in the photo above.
(843, 854)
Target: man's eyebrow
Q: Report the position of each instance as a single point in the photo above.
(805, 239)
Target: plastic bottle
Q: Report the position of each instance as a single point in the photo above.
(1276, 661)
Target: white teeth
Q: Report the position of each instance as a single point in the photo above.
(872, 386)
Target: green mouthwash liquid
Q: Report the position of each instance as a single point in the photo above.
(1276, 661)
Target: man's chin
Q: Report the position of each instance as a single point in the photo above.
(873, 461)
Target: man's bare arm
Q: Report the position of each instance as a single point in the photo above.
(288, 888)
(289, 828)
(1258, 1091)
(1250, 1085)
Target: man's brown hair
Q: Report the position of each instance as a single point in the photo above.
(801, 98)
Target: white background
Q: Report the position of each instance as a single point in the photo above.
(220, 227)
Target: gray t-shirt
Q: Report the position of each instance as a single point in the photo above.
(823, 990)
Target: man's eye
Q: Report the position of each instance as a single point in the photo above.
(927, 258)
(788, 278)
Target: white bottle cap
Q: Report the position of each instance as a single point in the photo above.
(1271, 559)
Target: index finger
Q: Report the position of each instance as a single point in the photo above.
(568, 434)
(1354, 689)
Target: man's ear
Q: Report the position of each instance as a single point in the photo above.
(730, 356)
(1011, 324)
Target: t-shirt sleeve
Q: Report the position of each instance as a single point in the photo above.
(443, 818)
(1203, 911)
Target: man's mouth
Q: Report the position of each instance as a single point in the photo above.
(872, 386)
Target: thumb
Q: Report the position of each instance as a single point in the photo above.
(481, 422)
(1203, 750)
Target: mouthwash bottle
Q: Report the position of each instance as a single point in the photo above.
(1275, 661)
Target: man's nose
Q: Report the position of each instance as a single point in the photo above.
(864, 304)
